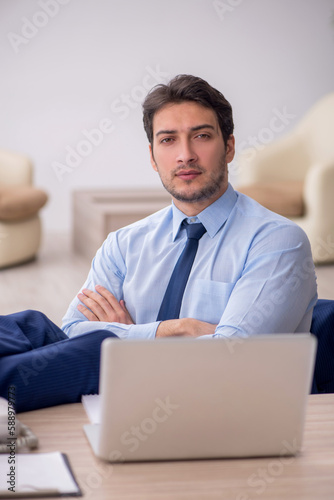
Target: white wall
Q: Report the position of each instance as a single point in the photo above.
(85, 57)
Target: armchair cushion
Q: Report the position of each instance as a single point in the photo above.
(20, 202)
(284, 198)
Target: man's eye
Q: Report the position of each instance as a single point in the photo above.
(202, 136)
(166, 140)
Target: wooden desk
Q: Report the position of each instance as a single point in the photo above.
(307, 476)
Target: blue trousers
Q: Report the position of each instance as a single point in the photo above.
(323, 328)
(41, 366)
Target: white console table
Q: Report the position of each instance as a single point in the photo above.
(98, 212)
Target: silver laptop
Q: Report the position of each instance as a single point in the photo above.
(173, 399)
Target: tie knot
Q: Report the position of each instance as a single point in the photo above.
(194, 231)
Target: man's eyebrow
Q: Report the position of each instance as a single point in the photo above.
(199, 127)
(165, 132)
(192, 129)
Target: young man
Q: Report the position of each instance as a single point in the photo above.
(253, 271)
(215, 263)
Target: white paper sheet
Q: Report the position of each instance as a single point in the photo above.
(36, 472)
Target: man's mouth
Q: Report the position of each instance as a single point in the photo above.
(188, 175)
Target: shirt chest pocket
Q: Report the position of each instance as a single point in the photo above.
(206, 300)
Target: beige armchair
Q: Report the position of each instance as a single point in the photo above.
(20, 202)
(294, 176)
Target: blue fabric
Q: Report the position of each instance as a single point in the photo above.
(323, 328)
(171, 303)
(43, 364)
(253, 271)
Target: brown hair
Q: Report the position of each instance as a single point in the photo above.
(187, 88)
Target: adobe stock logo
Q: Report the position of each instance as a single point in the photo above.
(148, 426)
(279, 120)
(132, 438)
(30, 27)
(121, 107)
(75, 155)
(225, 7)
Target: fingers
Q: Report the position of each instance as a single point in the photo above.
(119, 309)
(95, 303)
(102, 305)
(126, 315)
(86, 312)
(107, 300)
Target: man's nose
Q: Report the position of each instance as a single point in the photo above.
(186, 153)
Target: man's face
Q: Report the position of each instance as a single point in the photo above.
(189, 154)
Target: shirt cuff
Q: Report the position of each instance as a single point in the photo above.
(124, 332)
(227, 332)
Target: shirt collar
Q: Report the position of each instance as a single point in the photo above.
(212, 217)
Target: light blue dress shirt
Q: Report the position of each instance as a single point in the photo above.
(253, 272)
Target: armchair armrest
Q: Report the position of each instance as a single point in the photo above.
(283, 160)
(318, 194)
(15, 169)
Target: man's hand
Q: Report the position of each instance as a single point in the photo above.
(103, 306)
(185, 327)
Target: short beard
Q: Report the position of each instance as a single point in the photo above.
(206, 192)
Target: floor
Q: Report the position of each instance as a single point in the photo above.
(51, 281)
(48, 283)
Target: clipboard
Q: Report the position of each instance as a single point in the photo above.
(35, 475)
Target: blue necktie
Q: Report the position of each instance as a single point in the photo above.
(171, 303)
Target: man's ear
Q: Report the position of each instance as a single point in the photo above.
(230, 148)
(152, 158)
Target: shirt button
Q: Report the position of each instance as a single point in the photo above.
(193, 219)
